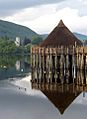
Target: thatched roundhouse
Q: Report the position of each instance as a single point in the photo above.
(60, 36)
(60, 51)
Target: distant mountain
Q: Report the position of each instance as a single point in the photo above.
(12, 30)
(80, 36)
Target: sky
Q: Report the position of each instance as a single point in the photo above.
(43, 15)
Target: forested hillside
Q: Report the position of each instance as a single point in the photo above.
(12, 30)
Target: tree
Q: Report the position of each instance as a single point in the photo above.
(36, 40)
(28, 47)
(26, 41)
(7, 46)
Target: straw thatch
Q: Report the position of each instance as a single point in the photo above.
(61, 35)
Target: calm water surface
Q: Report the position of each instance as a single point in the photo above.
(56, 100)
(69, 101)
(22, 99)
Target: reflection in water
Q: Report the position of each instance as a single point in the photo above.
(60, 95)
(63, 90)
(18, 65)
(14, 66)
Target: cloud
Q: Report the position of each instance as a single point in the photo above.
(10, 7)
(80, 5)
(35, 18)
(33, 13)
(44, 18)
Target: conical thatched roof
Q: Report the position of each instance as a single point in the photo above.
(60, 100)
(61, 35)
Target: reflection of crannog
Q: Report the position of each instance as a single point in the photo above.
(62, 89)
(60, 95)
(54, 76)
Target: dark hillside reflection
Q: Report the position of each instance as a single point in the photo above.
(63, 90)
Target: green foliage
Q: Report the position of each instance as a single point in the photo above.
(19, 50)
(36, 40)
(7, 46)
(7, 60)
(28, 48)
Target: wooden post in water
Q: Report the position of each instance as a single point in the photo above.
(67, 59)
(86, 62)
(61, 59)
(50, 73)
(73, 63)
(56, 65)
(44, 64)
(77, 59)
(62, 65)
(39, 64)
(82, 59)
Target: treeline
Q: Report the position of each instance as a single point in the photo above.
(9, 47)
